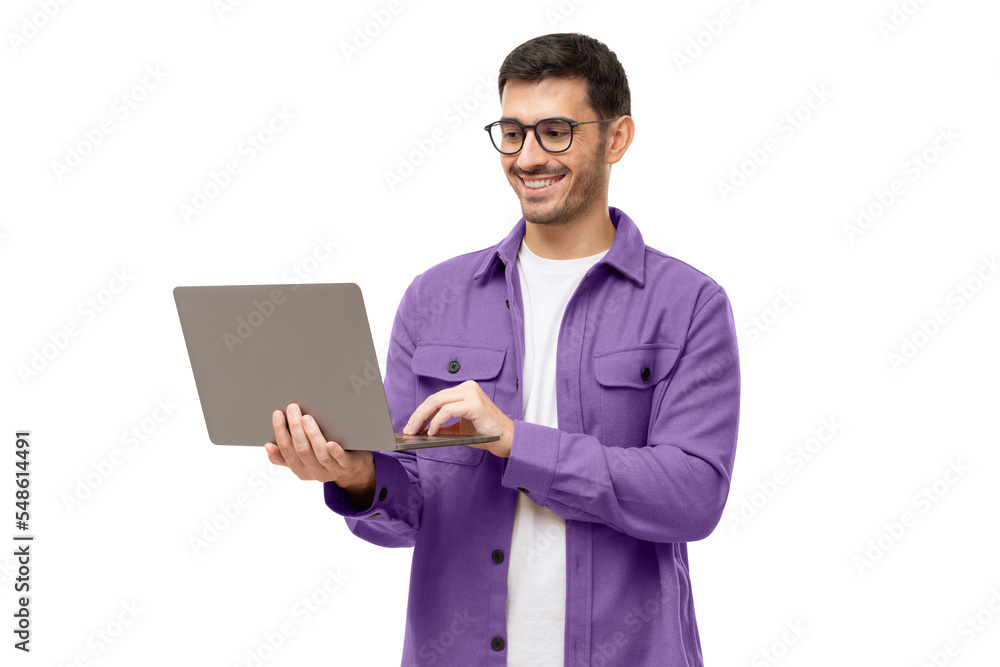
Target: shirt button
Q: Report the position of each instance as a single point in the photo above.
(497, 643)
(522, 489)
(454, 366)
(381, 496)
(497, 556)
(371, 516)
(507, 301)
(645, 374)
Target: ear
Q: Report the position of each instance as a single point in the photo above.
(620, 135)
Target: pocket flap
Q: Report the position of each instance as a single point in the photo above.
(639, 367)
(460, 454)
(457, 363)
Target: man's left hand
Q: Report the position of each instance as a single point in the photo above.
(477, 414)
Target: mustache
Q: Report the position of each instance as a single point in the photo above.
(536, 173)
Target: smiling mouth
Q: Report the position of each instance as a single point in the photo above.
(541, 183)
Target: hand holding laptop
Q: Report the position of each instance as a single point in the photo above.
(300, 446)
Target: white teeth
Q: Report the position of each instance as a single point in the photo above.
(540, 184)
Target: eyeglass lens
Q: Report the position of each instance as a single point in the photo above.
(554, 135)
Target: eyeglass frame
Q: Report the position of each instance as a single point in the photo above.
(534, 128)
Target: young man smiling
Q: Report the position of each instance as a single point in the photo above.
(608, 369)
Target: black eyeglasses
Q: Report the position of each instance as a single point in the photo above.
(554, 135)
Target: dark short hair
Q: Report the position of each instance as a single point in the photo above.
(572, 55)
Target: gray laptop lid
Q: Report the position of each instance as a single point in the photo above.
(256, 348)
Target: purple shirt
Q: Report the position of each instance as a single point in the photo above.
(648, 388)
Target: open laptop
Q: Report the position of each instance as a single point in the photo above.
(256, 348)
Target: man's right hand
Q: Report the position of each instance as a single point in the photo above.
(300, 446)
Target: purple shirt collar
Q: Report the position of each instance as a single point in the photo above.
(626, 253)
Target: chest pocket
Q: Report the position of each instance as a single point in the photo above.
(440, 366)
(628, 379)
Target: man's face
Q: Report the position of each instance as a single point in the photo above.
(554, 187)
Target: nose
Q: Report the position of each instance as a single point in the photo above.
(532, 155)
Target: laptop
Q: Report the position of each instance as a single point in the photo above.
(256, 348)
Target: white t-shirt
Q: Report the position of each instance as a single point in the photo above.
(536, 575)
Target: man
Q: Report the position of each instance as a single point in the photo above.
(608, 370)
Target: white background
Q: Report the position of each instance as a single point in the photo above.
(820, 310)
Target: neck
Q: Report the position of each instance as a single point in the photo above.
(582, 236)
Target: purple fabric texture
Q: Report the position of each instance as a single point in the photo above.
(648, 388)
